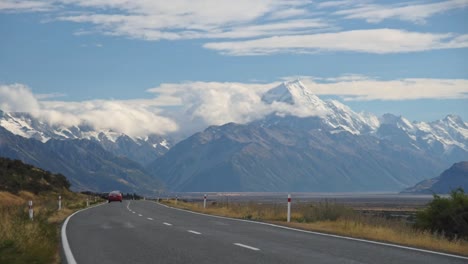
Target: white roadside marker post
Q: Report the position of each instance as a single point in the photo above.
(176, 198)
(204, 201)
(87, 202)
(289, 208)
(31, 211)
(60, 202)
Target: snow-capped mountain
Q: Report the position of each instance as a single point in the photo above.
(140, 149)
(442, 136)
(310, 144)
(333, 114)
(306, 144)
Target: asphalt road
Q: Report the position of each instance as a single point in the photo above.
(147, 232)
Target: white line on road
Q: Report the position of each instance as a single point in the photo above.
(149, 218)
(139, 215)
(167, 224)
(133, 211)
(66, 246)
(320, 234)
(194, 232)
(245, 246)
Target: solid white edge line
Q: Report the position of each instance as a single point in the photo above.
(66, 246)
(246, 246)
(324, 234)
(194, 232)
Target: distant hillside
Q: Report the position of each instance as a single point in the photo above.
(16, 176)
(289, 154)
(455, 177)
(87, 165)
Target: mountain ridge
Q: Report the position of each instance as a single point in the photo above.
(386, 145)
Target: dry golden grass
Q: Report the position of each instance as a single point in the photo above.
(402, 236)
(334, 219)
(37, 241)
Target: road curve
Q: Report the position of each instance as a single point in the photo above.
(147, 232)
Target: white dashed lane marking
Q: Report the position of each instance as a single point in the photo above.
(194, 232)
(246, 246)
(167, 224)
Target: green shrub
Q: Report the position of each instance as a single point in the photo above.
(447, 216)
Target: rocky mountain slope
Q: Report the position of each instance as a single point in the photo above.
(87, 165)
(308, 144)
(142, 150)
(454, 177)
(313, 145)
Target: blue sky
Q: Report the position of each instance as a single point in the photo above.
(407, 58)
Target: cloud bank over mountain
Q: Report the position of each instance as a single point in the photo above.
(191, 106)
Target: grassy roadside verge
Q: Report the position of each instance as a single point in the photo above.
(37, 241)
(334, 219)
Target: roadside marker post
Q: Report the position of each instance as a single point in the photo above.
(176, 199)
(60, 202)
(31, 211)
(204, 201)
(289, 208)
(87, 202)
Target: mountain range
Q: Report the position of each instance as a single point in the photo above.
(309, 145)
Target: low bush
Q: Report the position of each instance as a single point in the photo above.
(446, 216)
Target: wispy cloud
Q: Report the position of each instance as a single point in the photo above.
(17, 6)
(413, 12)
(362, 88)
(256, 27)
(379, 41)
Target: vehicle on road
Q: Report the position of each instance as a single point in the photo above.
(114, 196)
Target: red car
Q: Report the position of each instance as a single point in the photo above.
(114, 196)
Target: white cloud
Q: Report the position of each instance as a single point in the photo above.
(214, 103)
(413, 12)
(192, 106)
(18, 98)
(361, 88)
(122, 116)
(258, 27)
(25, 6)
(379, 41)
(132, 117)
(186, 19)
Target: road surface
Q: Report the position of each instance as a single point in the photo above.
(147, 232)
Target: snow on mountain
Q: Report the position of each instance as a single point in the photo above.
(333, 113)
(293, 98)
(447, 133)
(27, 126)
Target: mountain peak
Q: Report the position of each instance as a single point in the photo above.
(455, 120)
(293, 93)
